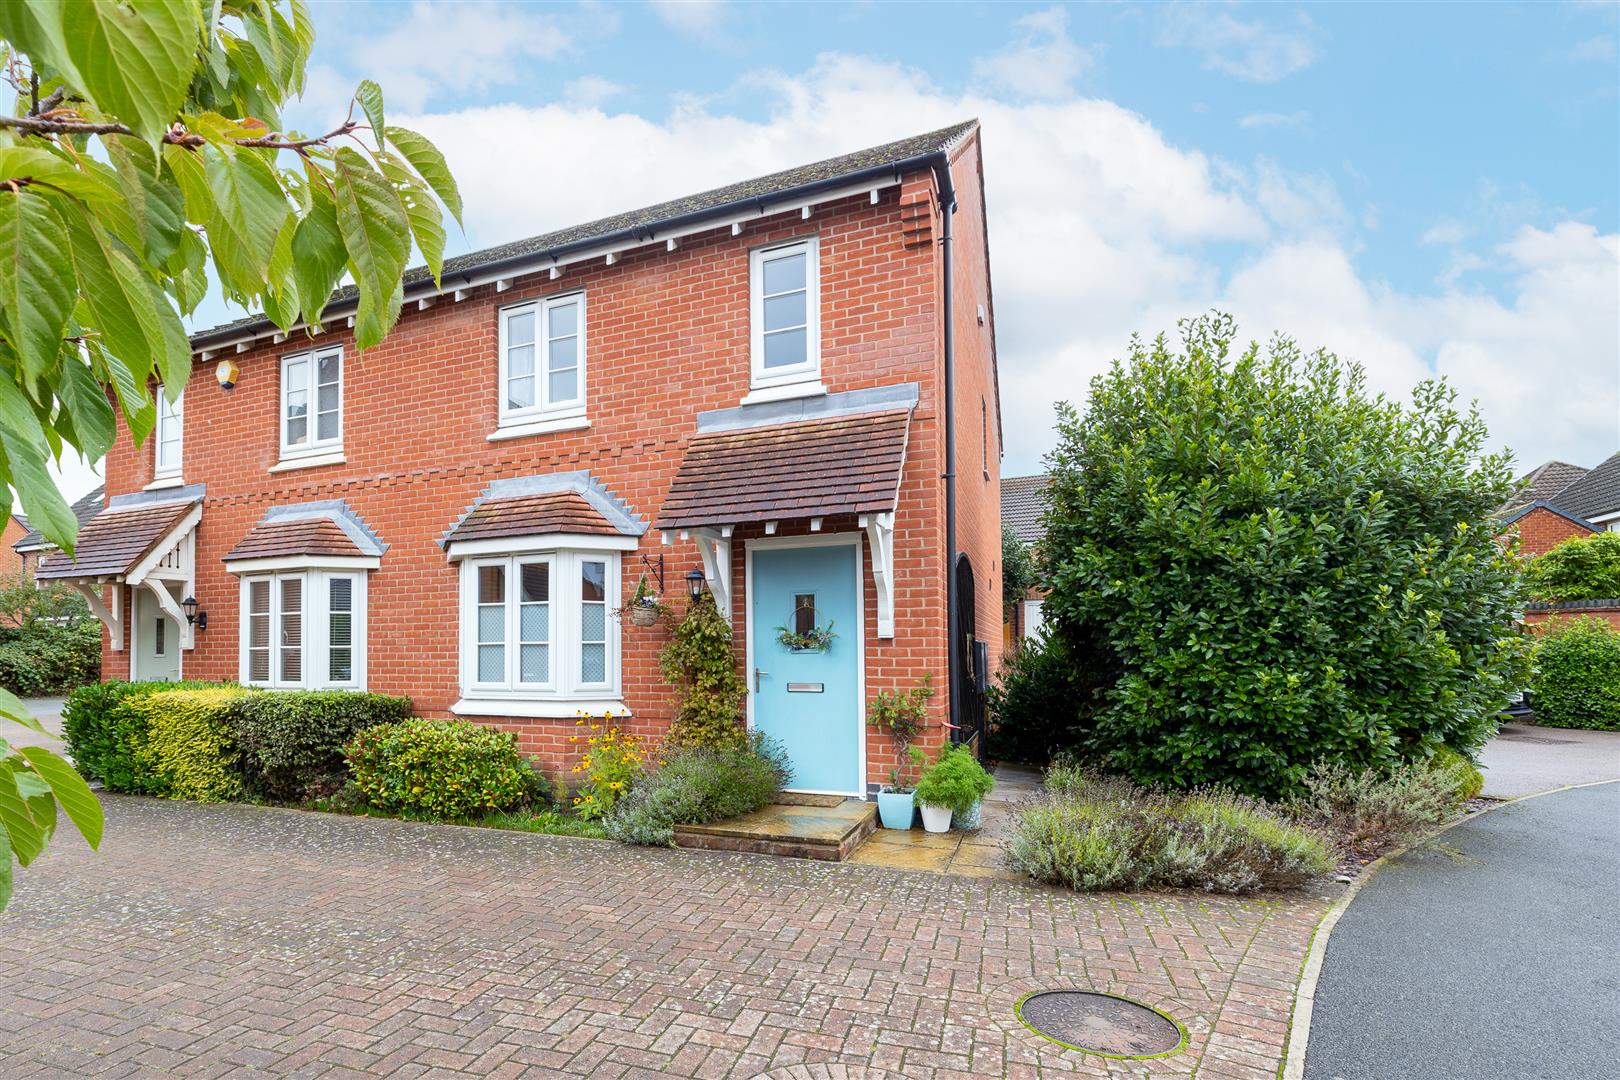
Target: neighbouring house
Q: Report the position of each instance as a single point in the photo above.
(743, 389)
(12, 565)
(1558, 501)
(1023, 509)
(31, 546)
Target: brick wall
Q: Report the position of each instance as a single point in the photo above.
(1541, 530)
(667, 337)
(11, 563)
(1540, 618)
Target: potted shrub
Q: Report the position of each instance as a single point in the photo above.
(903, 714)
(952, 786)
(644, 608)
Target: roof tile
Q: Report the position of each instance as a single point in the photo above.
(114, 541)
(295, 536)
(532, 515)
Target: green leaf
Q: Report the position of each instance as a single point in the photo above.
(81, 804)
(134, 59)
(83, 401)
(370, 97)
(36, 280)
(35, 27)
(420, 209)
(22, 817)
(250, 209)
(318, 254)
(188, 272)
(38, 165)
(5, 858)
(281, 286)
(12, 707)
(376, 234)
(154, 198)
(22, 440)
(429, 164)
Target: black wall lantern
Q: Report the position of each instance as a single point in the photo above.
(694, 583)
(193, 616)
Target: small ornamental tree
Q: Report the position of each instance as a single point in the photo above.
(1287, 569)
(699, 664)
(1581, 568)
(1018, 573)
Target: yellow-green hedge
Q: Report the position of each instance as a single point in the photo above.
(190, 742)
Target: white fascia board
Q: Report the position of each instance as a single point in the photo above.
(522, 545)
(303, 562)
(544, 261)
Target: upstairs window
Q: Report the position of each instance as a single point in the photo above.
(785, 314)
(542, 368)
(312, 403)
(166, 440)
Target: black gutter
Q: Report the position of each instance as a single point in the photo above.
(937, 160)
(947, 202)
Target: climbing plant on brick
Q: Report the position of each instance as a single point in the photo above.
(1286, 568)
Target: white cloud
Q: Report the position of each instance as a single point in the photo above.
(1600, 48)
(1298, 118)
(1446, 232)
(698, 18)
(1041, 62)
(591, 92)
(465, 48)
(1255, 50)
(1099, 227)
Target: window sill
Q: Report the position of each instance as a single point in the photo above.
(786, 392)
(554, 709)
(163, 482)
(517, 429)
(309, 461)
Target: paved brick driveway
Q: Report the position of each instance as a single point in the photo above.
(218, 940)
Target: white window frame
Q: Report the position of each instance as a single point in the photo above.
(564, 685)
(544, 410)
(761, 377)
(316, 660)
(314, 446)
(170, 429)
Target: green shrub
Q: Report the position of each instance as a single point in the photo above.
(1465, 775)
(1372, 809)
(955, 779)
(1092, 833)
(1580, 568)
(1284, 567)
(102, 733)
(1018, 570)
(699, 664)
(1045, 700)
(694, 786)
(1577, 675)
(444, 769)
(47, 659)
(292, 739)
(189, 745)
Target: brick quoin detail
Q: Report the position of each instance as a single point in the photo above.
(667, 338)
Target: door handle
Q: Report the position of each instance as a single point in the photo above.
(757, 674)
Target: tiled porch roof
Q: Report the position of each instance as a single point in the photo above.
(532, 515)
(299, 536)
(113, 542)
(811, 468)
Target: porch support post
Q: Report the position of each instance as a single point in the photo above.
(112, 619)
(880, 536)
(714, 547)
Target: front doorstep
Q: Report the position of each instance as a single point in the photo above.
(829, 833)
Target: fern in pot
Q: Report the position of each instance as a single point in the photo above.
(903, 714)
(954, 785)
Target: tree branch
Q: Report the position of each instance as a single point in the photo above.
(175, 136)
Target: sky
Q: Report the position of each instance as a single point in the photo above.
(1424, 189)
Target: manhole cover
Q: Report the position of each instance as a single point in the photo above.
(1100, 1023)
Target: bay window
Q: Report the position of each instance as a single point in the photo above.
(304, 629)
(539, 627)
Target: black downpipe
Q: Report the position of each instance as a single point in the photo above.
(947, 197)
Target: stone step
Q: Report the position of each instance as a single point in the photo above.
(826, 832)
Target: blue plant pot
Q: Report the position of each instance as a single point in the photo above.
(895, 810)
(969, 818)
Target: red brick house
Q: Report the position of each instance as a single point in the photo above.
(756, 383)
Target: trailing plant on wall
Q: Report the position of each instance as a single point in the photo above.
(699, 664)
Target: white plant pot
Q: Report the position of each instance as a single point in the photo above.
(936, 818)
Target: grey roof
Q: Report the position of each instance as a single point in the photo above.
(1542, 483)
(1023, 504)
(1510, 516)
(1596, 494)
(649, 218)
(85, 509)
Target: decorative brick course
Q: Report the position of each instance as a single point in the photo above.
(210, 940)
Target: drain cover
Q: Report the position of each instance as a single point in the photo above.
(1100, 1023)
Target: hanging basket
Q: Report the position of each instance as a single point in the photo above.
(643, 615)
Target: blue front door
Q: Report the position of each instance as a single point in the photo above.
(806, 699)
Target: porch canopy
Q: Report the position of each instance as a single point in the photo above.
(327, 535)
(534, 512)
(845, 456)
(142, 540)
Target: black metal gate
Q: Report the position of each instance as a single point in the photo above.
(970, 662)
